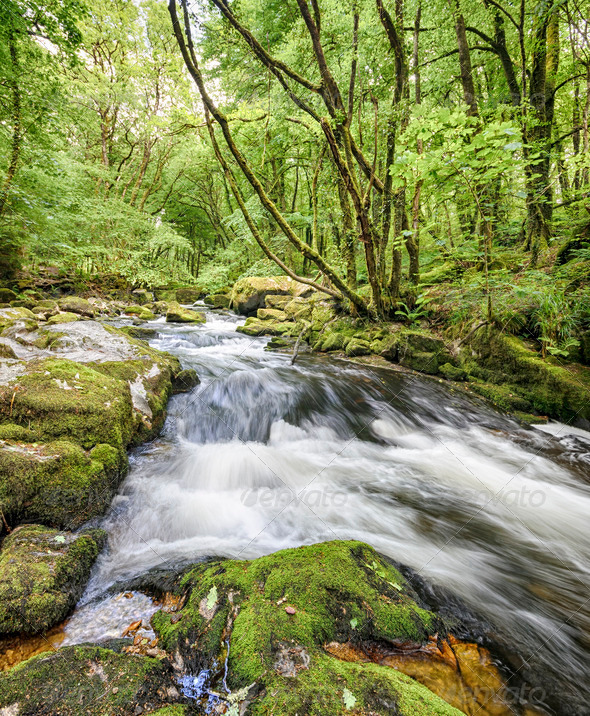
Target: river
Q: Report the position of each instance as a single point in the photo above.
(264, 455)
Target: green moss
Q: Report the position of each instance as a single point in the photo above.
(256, 327)
(547, 386)
(63, 318)
(339, 590)
(55, 483)
(63, 399)
(10, 431)
(75, 304)
(43, 573)
(141, 312)
(177, 314)
(320, 690)
(87, 680)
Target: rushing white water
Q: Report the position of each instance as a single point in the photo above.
(265, 455)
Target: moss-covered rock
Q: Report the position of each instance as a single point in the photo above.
(256, 327)
(141, 312)
(545, 385)
(184, 381)
(177, 314)
(249, 293)
(452, 372)
(217, 300)
(57, 483)
(280, 611)
(422, 351)
(65, 317)
(358, 347)
(59, 398)
(281, 302)
(43, 573)
(6, 295)
(187, 295)
(12, 315)
(88, 681)
(75, 304)
(271, 314)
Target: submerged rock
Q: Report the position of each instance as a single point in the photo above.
(42, 575)
(177, 314)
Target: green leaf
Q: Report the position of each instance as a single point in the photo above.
(354, 623)
(349, 699)
(60, 539)
(212, 598)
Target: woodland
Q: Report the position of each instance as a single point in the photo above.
(389, 154)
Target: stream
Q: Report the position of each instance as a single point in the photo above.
(264, 455)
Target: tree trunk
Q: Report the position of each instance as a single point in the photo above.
(16, 123)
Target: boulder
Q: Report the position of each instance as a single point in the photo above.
(56, 483)
(217, 300)
(256, 327)
(188, 295)
(142, 312)
(67, 419)
(142, 296)
(249, 293)
(272, 314)
(75, 304)
(43, 573)
(285, 615)
(177, 314)
(184, 381)
(6, 295)
(64, 317)
(89, 681)
(358, 347)
(422, 351)
(280, 301)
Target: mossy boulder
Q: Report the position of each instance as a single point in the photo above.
(188, 295)
(549, 386)
(14, 314)
(422, 351)
(452, 372)
(88, 681)
(334, 342)
(141, 312)
(217, 300)
(279, 613)
(185, 380)
(56, 483)
(142, 296)
(358, 347)
(256, 327)
(177, 314)
(249, 293)
(75, 304)
(298, 309)
(65, 317)
(43, 573)
(7, 295)
(280, 302)
(60, 398)
(272, 314)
